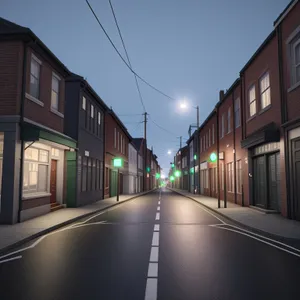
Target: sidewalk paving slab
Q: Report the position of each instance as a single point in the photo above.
(270, 224)
(17, 234)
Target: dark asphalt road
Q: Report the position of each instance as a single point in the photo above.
(115, 256)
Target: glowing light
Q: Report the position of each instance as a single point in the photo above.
(177, 173)
(172, 178)
(213, 157)
(169, 152)
(118, 162)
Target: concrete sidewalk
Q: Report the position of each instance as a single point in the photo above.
(271, 224)
(14, 235)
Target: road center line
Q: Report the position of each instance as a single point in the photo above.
(154, 254)
(155, 239)
(153, 270)
(157, 217)
(156, 227)
(158, 202)
(151, 289)
(158, 207)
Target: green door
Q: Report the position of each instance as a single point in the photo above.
(71, 179)
(113, 183)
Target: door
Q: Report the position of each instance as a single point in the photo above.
(274, 181)
(259, 181)
(53, 176)
(296, 177)
(113, 183)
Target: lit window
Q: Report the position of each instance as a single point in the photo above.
(228, 120)
(83, 103)
(252, 101)
(55, 152)
(55, 92)
(265, 91)
(35, 70)
(92, 111)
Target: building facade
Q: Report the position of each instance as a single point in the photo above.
(84, 122)
(34, 148)
(140, 145)
(131, 178)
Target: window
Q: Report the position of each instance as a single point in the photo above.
(54, 152)
(252, 101)
(239, 176)
(92, 111)
(213, 133)
(99, 118)
(230, 177)
(115, 138)
(222, 175)
(89, 174)
(55, 92)
(296, 52)
(35, 71)
(118, 140)
(294, 56)
(36, 166)
(228, 120)
(222, 125)
(209, 138)
(83, 103)
(84, 174)
(237, 116)
(265, 91)
(106, 177)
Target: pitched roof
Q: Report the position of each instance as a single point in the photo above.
(285, 12)
(12, 30)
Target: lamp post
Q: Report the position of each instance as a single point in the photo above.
(118, 163)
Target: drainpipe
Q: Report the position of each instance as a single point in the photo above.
(218, 152)
(284, 118)
(23, 90)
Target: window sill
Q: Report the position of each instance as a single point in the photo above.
(33, 99)
(293, 87)
(251, 118)
(53, 110)
(35, 195)
(265, 109)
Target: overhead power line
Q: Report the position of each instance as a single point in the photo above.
(122, 58)
(162, 128)
(126, 53)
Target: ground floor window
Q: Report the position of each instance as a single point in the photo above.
(239, 176)
(91, 175)
(36, 167)
(230, 177)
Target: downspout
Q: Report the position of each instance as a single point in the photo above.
(284, 118)
(218, 152)
(103, 163)
(22, 106)
(234, 150)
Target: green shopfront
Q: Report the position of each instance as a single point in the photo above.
(35, 172)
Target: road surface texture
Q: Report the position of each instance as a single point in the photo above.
(159, 246)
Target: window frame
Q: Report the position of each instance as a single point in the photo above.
(222, 125)
(252, 102)
(237, 112)
(229, 120)
(83, 106)
(56, 77)
(39, 63)
(268, 89)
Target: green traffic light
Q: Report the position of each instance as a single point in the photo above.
(177, 173)
(157, 175)
(148, 169)
(195, 156)
(172, 178)
(172, 165)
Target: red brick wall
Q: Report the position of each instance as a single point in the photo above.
(267, 60)
(289, 24)
(34, 111)
(11, 68)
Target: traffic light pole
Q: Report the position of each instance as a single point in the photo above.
(118, 185)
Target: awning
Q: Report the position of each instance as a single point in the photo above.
(31, 132)
(267, 134)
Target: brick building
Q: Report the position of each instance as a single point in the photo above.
(34, 148)
(117, 139)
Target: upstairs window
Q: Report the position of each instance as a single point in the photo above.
(252, 101)
(265, 91)
(35, 72)
(55, 92)
(222, 125)
(293, 43)
(237, 113)
(83, 103)
(213, 133)
(229, 120)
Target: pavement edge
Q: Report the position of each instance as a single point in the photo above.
(57, 226)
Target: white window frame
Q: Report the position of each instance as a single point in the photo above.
(99, 118)
(92, 111)
(55, 77)
(266, 90)
(252, 101)
(83, 103)
(33, 57)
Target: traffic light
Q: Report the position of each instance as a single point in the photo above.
(172, 178)
(177, 173)
(148, 169)
(172, 165)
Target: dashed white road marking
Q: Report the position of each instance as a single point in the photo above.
(157, 217)
(154, 254)
(155, 239)
(156, 227)
(151, 289)
(10, 259)
(153, 270)
(158, 207)
(158, 202)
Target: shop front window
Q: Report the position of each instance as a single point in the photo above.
(36, 166)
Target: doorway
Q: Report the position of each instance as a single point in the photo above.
(53, 180)
(296, 177)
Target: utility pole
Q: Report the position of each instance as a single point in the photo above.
(145, 150)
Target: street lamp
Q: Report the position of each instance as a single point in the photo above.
(118, 163)
(169, 152)
(183, 105)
